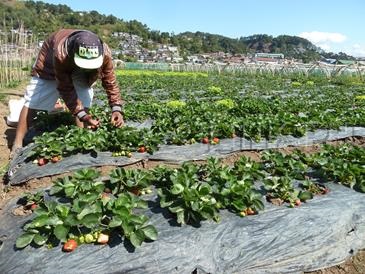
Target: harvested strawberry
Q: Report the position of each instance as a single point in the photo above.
(70, 245)
(103, 238)
(205, 140)
(250, 211)
(42, 161)
(141, 149)
(55, 159)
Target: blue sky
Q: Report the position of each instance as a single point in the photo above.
(333, 25)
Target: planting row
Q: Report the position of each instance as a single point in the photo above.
(82, 208)
(185, 108)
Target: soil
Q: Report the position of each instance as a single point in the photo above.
(354, 265)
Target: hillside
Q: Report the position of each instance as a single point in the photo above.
(57, 16)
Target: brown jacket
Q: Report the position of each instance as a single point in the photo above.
(53, 63)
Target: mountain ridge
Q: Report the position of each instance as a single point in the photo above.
(62, 16)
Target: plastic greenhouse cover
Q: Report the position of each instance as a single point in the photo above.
(21, 171)
(322, 232)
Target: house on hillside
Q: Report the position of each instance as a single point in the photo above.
(268, 57)
(330, 61)
(345, 62)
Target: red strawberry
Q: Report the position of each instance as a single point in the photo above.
(297, 202)
(33, 206)
(216, 140)
(70, 245)
(205, 140)
(142, 149)
(42, 161)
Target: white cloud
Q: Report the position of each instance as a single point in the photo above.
(358, 50)
(330, 42)
(325, 47)
(318, 37)
(334, 42)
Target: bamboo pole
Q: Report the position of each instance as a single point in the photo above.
(17, 50)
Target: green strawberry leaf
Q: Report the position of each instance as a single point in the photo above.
(24, 240)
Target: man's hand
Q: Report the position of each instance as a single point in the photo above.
(93, 123)
(117, 119)
(89, 122)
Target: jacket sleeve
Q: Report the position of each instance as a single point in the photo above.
(109, 81)
(66, 88)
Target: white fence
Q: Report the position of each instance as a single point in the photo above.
(306, 69)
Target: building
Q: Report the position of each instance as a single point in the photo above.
(276, 56)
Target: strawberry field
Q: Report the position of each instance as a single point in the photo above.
(174, 119)
(186, 108)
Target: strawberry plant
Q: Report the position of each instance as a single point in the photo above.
(343, 164)
(266, 108)
(239, 195)
(47, 146)
(227, 189)
(280, 188)
(31, 200)
(133, 227)
(51, 224)
(89, 209)
(82, 182)
(160, 176)
(278, 164)
(66, 141)
(86, 214)
(234, 187)
(132, 180)
(189, 198)
(244, 166)
(314, 188)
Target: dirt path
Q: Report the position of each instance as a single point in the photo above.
(355, 265)
(7, 133)
(7, 137)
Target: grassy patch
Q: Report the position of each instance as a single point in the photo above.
(4, 169)
(2, 97)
